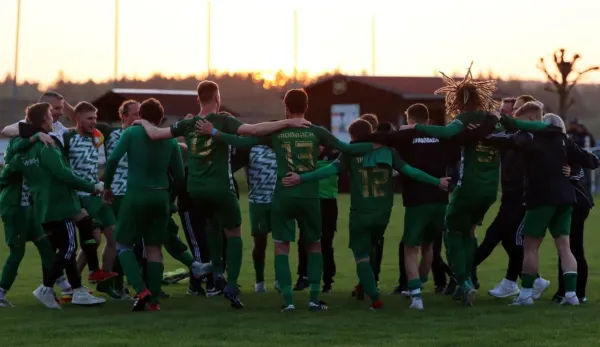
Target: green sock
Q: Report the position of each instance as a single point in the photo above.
(46, 253)
(234, 261)
(314, 272)
(259, 270)
(373, 259)
(456, 256)
(469, 246)
(284, 276)
(366, 277)
(131, 268)
(527, 280)
(155, 275)
(185, 258)
(414, 286)
(11, 266)
(215, 247)
(570, 281)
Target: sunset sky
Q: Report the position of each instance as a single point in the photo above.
(412, 37)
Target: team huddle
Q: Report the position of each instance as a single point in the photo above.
(52, 185)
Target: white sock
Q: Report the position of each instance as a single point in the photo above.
(63, 284)
(415, 293)
(570, 294)
(2, 293)
(526, 293)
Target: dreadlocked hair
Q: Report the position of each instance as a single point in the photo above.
(468, 94)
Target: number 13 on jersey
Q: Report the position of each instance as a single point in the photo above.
(299, 155)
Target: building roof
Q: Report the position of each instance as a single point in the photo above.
(407, 87)
(175, 102)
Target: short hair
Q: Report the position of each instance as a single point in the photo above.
(296, 101)
(417, 112)
(207, 91)
(528, 107)
(555, 120)
(84, 106)
(525, 98)
(35, 114)
(386, 127)
(510, 100)
(124, 108)
(50, 95)
(371, 118)
(152, 111)
(360, 128)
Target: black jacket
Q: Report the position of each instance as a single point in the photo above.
(512, 175)
(578, 161)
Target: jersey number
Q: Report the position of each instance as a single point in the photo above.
(486, 154)
(204, 149)
(303, 160)
(373, 182)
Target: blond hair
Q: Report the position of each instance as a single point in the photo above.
(530, 107)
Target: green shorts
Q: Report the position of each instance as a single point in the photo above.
(116, 205)
(222, 204)
(286, 210)
(466, 211)
(145, 216)
(260, 219)
(423, 223)
(21, 226)
(365, 228)
(101, 213)
(555, 218)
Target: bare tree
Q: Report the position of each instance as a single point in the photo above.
(561, 84)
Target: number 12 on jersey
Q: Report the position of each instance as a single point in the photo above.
(374, 181)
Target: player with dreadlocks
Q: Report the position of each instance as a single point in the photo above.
(471, 101)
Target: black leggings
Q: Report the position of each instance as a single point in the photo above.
(63, 239)
(578, 218)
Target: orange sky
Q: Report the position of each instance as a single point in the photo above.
(412, 37)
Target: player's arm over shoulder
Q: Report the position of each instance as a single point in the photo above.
(328, 140)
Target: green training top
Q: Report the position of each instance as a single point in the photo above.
(208, 160)
(371, 188)
(51, 182)
(297, 150)
(149, 162)
(328, 186)
(10, 197)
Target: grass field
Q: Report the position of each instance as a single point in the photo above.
(193, 321)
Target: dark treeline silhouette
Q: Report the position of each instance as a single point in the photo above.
(259, 99)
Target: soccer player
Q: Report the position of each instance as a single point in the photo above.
(328, 189)
(18, 220)
(55, 204)
(129, 111)
(425, 206)
(372, 198)
(578, 160)
(470, 101)
(296, 150)
(146, 207)
(82, 148)
(209, 181)
(549, 197)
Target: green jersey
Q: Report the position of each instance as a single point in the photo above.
(371, 185)
(297, 150)
(479, 173)
(12, 196)
(51, 182)
(208, 160)
(152, 164)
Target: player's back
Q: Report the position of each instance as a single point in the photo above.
(148, 161)
(297, 150)
(371, 188)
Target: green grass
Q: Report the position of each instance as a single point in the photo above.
(192, 321)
